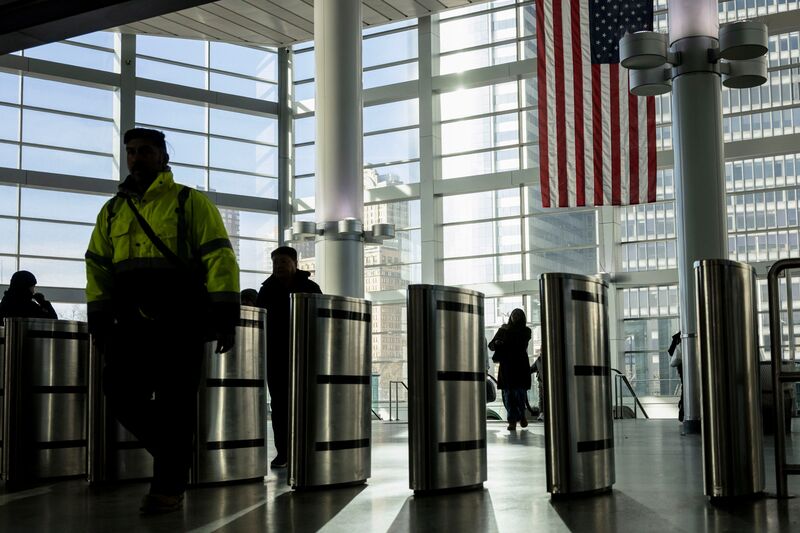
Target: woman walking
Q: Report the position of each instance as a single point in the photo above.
(510, 345)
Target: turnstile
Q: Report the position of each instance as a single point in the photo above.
(446, 389)
(579, 432)
(232, 408)
(114, 453)
(46, 369)
(733, 449)
(329, 391)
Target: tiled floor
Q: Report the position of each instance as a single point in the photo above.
(659, 488)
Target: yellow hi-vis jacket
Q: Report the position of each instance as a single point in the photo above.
(125, 270)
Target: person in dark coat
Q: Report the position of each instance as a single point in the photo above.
(21, 299)
(274, 296)
(510, 345)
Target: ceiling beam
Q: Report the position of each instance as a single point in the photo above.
(29, 23)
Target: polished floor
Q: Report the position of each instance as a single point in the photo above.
(659, 489)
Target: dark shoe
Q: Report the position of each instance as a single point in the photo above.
(512, 426)
(161, 503)
(523, 422)
(278, 462)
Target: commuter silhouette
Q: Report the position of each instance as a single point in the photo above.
(162, 279)
(510, 345)
(274, 296)
(249, 297)
(21, 299)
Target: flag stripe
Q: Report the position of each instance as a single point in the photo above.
(586, 59)
(633, 143)
(597, 133)
(577, 64)
(613, 78)
(561, 131)
(541, 71)
(644, 183)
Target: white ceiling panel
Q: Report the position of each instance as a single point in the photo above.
(275, 22)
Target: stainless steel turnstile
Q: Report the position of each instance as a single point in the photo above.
(114, 453)
(329, 391)
(447, 388)
(45, 399)
(579, 433)
(232, 406)
(733, 449)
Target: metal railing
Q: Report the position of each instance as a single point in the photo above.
(779, 376)
(619, 380)
(395, 401)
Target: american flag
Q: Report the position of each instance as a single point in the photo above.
(596, 140)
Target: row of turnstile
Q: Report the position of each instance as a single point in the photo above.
(55, 423)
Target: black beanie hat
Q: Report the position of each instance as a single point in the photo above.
(22, 280)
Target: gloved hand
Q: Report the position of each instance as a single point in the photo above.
(225, 342)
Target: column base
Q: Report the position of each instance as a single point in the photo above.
(691, 427)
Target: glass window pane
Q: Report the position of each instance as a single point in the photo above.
(68, 97)
(74, 55)
(390, 75)
(8, 200)
(244, 126)
(61, 205)
(389, 48)
(390, 116)
(9, 123)
(244, 157)
(8, 236)
(244, 184)
(243, 87)
(252, 254)
(168, 73)
(252, 224)
(9, 155)
(255, 62)
(53, 239)
(480, 205)
(61, 162)
(8, 265)
(190, 51)
(56, 273)
(169, 114)
(386, 175)
(9, 88)
(391, 147)
(64, 131)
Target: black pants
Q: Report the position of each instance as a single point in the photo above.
(277, 380)
(151, 377)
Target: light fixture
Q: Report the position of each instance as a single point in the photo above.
(643, 49)
(743, 40)
(744, 74)
(650, 82)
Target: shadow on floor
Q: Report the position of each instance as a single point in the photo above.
(301, 511)
(609, 512)
(456, 511)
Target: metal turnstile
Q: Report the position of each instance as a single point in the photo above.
(329, 391)
(114, 453)
(579, 432)
(733, 449)
(447, 388)
(46, 371)
(232, 408)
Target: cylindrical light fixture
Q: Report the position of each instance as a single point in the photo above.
(643, 49)
(743, 40)
(693, 18)
(745, 74)
(650, 82)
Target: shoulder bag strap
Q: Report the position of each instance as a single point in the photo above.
(159, 244)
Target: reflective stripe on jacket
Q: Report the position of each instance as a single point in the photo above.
(119, 245)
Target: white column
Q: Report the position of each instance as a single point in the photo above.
(339, 157)
(125, 100)
(699, 173)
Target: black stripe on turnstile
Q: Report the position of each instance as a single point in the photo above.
(592, 370)
(462, 445)
(234, 444)
(586, 296)
(332, 379)
(247, 323)
(58, 389)
(234, 382)
(41, 334)
(445, 305)
(334, 445)
(595, 445)
(128, 445)
(454, 375)
(344, 315)
(59, 444)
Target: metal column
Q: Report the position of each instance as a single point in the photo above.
(733, 449)
(579, 431)
(339, 159)
(329, 391)
(447, 388)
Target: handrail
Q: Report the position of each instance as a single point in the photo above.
(376, 414)
(396, 385)
(620, 377)
(782, 469)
